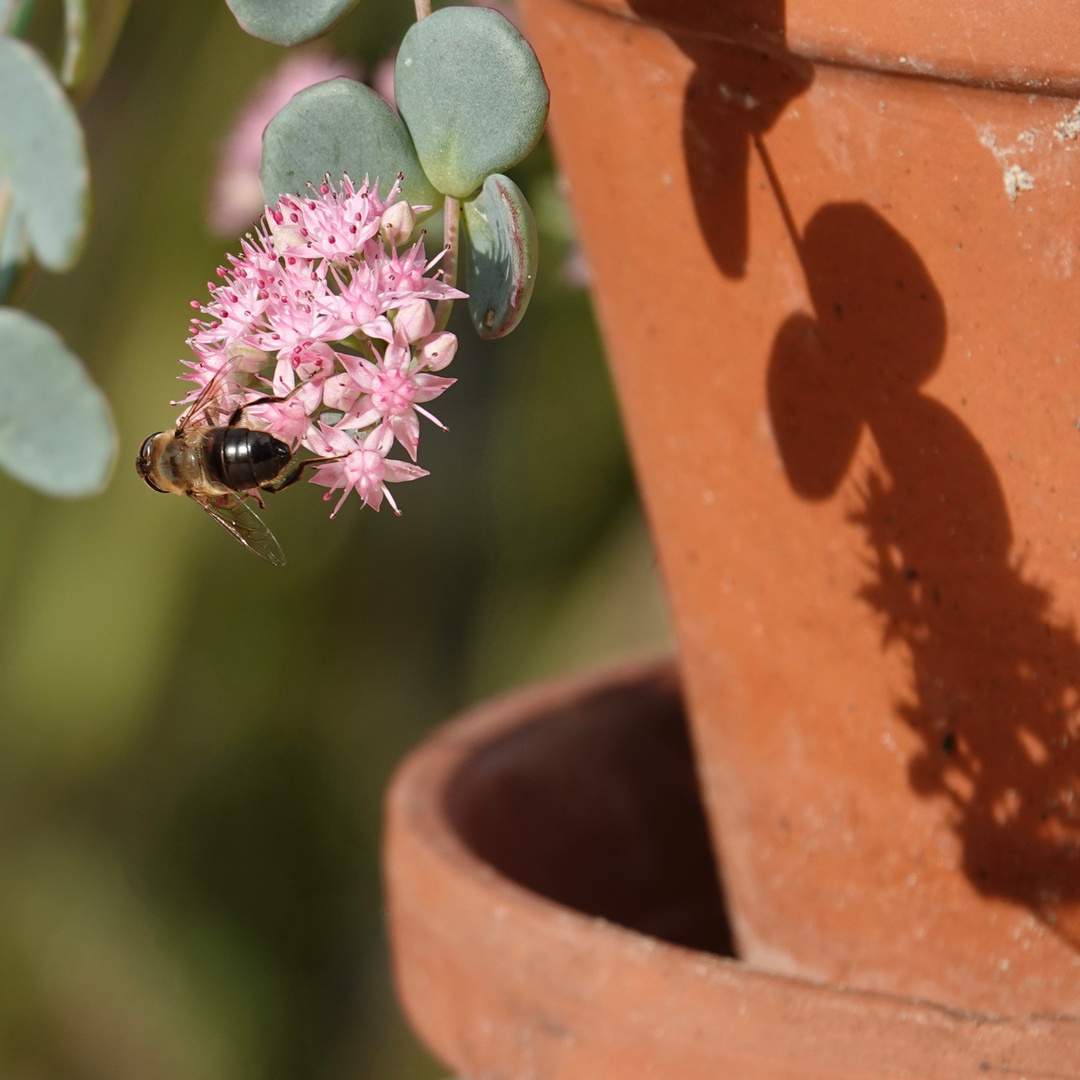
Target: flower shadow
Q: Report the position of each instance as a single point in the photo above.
(743, 78)
(994, 674)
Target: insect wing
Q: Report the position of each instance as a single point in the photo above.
(217, 388)
(234, 515)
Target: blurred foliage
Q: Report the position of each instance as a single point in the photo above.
(56, 429)
(193, 745)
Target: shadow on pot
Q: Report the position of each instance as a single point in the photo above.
(994, 689)
(743, 79)
(597, 808)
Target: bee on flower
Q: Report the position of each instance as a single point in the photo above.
(317, 349)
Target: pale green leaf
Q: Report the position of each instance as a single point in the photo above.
(56, 430)
(289, 22)
(336, 127)
(42, 155)
(472, 95)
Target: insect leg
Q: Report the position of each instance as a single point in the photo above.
(293, 471)
(239, 411)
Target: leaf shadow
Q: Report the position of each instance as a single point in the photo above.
(994, 672)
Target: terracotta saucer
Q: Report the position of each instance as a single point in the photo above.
(555, 915)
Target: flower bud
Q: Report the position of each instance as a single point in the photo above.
(415, 320)
(397, 223)
(340, 392)
(437, 350)
(244, 357)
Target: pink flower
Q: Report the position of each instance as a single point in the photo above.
(307, 360)
(358, 298)
(288, 419)
(332, 227)
(236, 195)
(389, 394)
(407, 275)
(321, 314)
(364, 469)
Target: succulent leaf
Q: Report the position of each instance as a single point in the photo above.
(340, 126)
(42, 155)
(56, 430)
(501, 262)
(289, 22)
(472, 95)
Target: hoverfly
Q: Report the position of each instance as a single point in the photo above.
(223, 466)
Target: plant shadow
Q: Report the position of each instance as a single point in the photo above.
(743, 79)
(994, 674)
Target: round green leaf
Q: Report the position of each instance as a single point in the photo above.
(472, 95)
(56, 431)
(289, 22)
(335, 127)
(501, 265)
(42, 155)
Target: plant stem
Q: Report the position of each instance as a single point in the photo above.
(15, 16)
(451, 226)
(778, 192)
(18, 277)
(5, 204)
(423, 9)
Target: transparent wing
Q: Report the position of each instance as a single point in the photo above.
(234, 515)
(197, 414)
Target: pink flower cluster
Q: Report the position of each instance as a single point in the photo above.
(322, 293)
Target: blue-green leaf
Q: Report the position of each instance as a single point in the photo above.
(56, 431)
(336, 127)
(501, 262)
(289, 22)
(42, 155)
(91, 28)
(472, 95)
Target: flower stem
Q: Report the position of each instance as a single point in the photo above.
(451, 226)
(423, 9)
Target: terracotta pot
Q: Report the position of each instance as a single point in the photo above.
(547, 867)
(833, 253)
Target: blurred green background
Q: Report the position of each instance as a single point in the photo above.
(193, 745)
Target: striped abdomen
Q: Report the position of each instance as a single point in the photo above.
(240, 458)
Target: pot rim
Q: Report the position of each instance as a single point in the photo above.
(1030, 49)
(488, 970)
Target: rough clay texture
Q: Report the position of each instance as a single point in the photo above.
(528, 844)
(851, 386)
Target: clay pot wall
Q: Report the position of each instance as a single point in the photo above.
(841, 310)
